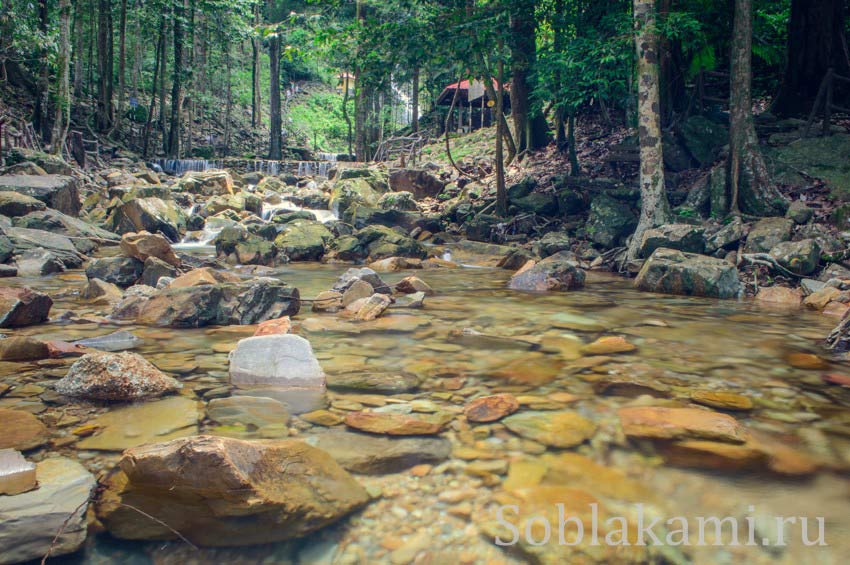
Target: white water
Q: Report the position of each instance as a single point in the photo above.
(178, 167)
(269, 211)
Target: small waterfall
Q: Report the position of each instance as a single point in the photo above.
(269, 211)
(178, 167)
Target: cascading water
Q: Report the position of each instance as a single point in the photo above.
(269, 211)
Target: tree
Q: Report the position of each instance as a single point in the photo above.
(63, 83)
(122, 61)
(529, 123)
(275, 141)
(105, 115)
(173, 148)
(816, 42)
(654, 209)
(256, 50)
(749, 187)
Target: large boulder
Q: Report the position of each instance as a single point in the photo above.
(23, 307)
(683, 237)
(51, 518)
(56, 191)
(800, 257)
(120, 271)
(557, 272)
(85, 237)
(610, 221)
(115, 376)
(38, 263)
(365, 274)
(44, 163)
(149, 214)
(226, 492)
(381, 242)
(767, 233)
(144, 245)
(25, 239)
(236, 245)
(421, 183)
(14, 204)
(211, 183)
(670, 271)
(361, 216)
(400, 201)
(365, 188)
(703, 138)
(303, 240)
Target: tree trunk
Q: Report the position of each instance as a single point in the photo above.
(42, 99)
(79, 36)
(163, 60)
(575, 170)
(176, 82)
(816, 41)
(345, 115)
(135, 73)
(275, 141)
(749, 188)
(529, 124)
(63, 82)
(122, 61)
(414, 100)
(654, 209)
(559, 31)
(228, 107)
(160, 46)
(501, 191)
(256, 51)
(104, 40)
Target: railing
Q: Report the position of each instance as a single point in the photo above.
(408, 148)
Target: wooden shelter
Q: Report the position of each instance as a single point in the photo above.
(473, 106)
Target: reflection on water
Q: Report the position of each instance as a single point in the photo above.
(683, 344)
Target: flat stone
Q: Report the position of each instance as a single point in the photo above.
(368, 309)
(721, 399)
(608, 345)
(369, 454)
(17, 475)
(807, 361)
(23, 348)
(384, 383)
(651, 422)
(780, 296)
(159, 420)
(555, 429)
(322, 418)
(253, 411)
(23, 307)
(21, 430)
(491, 408)
(31, 520)
(271, 327)
(395, 424)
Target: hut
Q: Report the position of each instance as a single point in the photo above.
(473, 107)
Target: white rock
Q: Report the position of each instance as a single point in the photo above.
(17, 475)
(30, 521)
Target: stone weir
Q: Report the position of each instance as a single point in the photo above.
(316, 168)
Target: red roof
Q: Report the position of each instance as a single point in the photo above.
(464, 85)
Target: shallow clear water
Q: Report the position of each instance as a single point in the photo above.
(686, 344)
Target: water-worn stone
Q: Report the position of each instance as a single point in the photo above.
(56, 191)
(20, 430)
(377, 455)
(208, 183)
(800, 257)
(49, 518)
(491, 408)
(303, 240)
(683, 237)
(382, 383)
(799, 212)
(780, 296)
(351, 275)
(23, 348)
(659, 423)
(368, 309)
(227, 492)
(149, 214)
(820, 298)
(722, 399)
(85, 236)
(256, 411)
(26, 239)
(155, 269)
(608, 345)
(277, 326)
(23, 307)
(422, 183)
(555, 429)
(767, 233)
(17, 475)
(610, 221)
(143, 245)
(115, 376)
(120, 271)
(675, 272)
(360, 289)
(38, 263)
(327, 301)
(551, 274)
(281, 360)
(396, 424)
(14, 204)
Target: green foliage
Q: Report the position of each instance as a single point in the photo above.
(319, 117)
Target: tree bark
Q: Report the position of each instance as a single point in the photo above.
(275, 141)
(654, 209)
(256, 50)
(176, 82)
(163, 91)
(816, 41)
(79, 36)
(414, 100)
(529, 124)
(748, 185)
(501, 191)
(160, 46)
(42, 99)
(104, 91)
(122, 61)
(63, 82)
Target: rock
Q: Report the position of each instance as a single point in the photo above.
(421, 183)
(381, 242)
(38, 263)
(683, 237)
(370, 382)
(144, 245)
(50, 518)
(322, 418)
(14, 204)
(351, 275)
(811, 286)
(780, 295)
(23, 307)
(17, 475)
(395, 424)
(149, 214)
(7, 271)
(348, 192)
(23, 348)
(703, 138)
(376, 455)
(800, 257)
(272, 327)
(608, 345)
(282, 367)
(56, 191)
(157, 420)
(799, 212)
(415, 300)
(25, 239)
(551, 274)
(555, 429)
(24, 168)
(820, 298)
(115, 377)
(675, 272)
(806, 361)
(360, 289)
(44, 163)
(726, 237)
(701, 454)
(480, 227)
(227, 492)
(395, 264)
(328, 301)
(542, 204)
(551, 243)
(116, 341)
(767, 233)
(155, 269)
(255, 411)
(21, 430)
(412, 285)
(210, 183)
(400, 201)
(491, 408)
(610, 221)
(630, 386)
(203, 276)
(120, 271)
(368, 309)
(303, 240)
(86, 237)
(722, 400)
(657, 423)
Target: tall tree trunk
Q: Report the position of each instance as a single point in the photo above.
(559, 31)
(228, 107)
(275, 141)
(79, 36)
(122, 62)
(138, 53)
(345, 115)
(529, 123)
(256, 51)
(163, 60)
(749, 188)
(104, 90)
(501, 191)
(816, 41)
(654, 209)
(42, 100)
(176, 82)
(189, 78)
(360, 98)
(160, 46)
(63, 82)
(414, 100)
